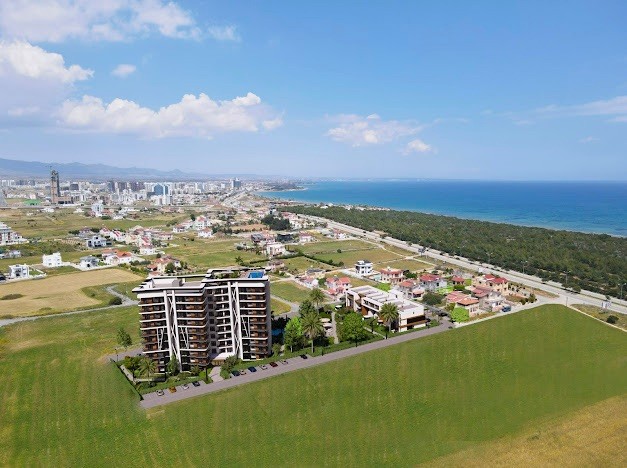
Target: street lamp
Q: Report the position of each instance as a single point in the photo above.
(621, 290)
(523, 265)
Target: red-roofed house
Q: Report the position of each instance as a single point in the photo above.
(432, 282)
(337, 286)
(391, 275)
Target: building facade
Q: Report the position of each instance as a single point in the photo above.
(205, 319)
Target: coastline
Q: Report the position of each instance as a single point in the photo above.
(385, 208)
(587, 207)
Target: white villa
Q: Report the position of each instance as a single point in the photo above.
(9, 237)
(52, 261)
(363, 267)
(19, 271)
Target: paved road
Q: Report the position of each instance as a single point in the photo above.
(585, 297)
(152, 399)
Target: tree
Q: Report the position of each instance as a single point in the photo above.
(173, 366)
(229, 364)
(239, 260)
(352, 328)
(460, 314)
(195, 370)
(612, 319)
(532, 297)
(147, 366)
(312, 326)
(306, 307)
(389, 314)
(276, 349)
(124, 339)
(169, 268)
(432, 298)
(193, 217)
(316, 296)
(293, 333)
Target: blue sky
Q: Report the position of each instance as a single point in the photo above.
(460, 90)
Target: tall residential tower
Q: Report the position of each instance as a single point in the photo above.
(205, 319)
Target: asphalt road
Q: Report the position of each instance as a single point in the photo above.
(152, 399)
(568, 297)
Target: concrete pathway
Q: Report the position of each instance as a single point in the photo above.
(152, 400)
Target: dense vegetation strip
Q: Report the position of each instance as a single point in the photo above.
(597, 262)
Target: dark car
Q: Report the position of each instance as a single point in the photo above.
(304, 356)
(252, 369)
(274, 364)
(235, 373)
(196, 383)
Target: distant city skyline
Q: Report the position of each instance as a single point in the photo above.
(484, 91)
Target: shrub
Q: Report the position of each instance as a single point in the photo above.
(115, 301)
(612, 319)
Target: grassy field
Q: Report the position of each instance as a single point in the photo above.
(203, 253)
(592, 436)
(602, 315)
(60, 293)
(301, 264)
(351, 251)
(289, 291)
(528, 382)
(279, 307)
(411, 265)
(52, 225)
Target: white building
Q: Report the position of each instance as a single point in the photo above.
(9, 237)
(19, 271)
(274, 249)
(205, 233)
(97, 209)
(88, 262)
(52, 261)
(97, 241)
(147, 250)
(368, 300)
(363, 267)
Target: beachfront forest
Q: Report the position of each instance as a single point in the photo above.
(596, 262)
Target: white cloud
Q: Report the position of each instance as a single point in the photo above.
(417, 146)
(224, 33)
(23, 111)
(123, 70)
(192, 116)
(588, 139)
(108, 20)
(371, 130)
(26, 60)
(615, 107)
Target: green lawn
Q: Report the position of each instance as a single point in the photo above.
(204, 254)
(64, 405)
(289, 291)
(278, 306)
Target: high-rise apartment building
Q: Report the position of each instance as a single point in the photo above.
(205, 319)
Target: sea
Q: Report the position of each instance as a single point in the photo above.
(597, 207)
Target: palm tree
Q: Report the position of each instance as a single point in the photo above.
(312, 326)
(316, 296)
(147, 366)
(389, 314)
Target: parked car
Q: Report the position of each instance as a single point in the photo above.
(263, 367)
(196, 383)
(252, 369)
(284, 362)
(172, 389)
(243, 372)
(235, 373)
(185, 387)
(303, 356)
(160, 392)
(274, 364)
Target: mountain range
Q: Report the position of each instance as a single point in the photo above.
(14, 168)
